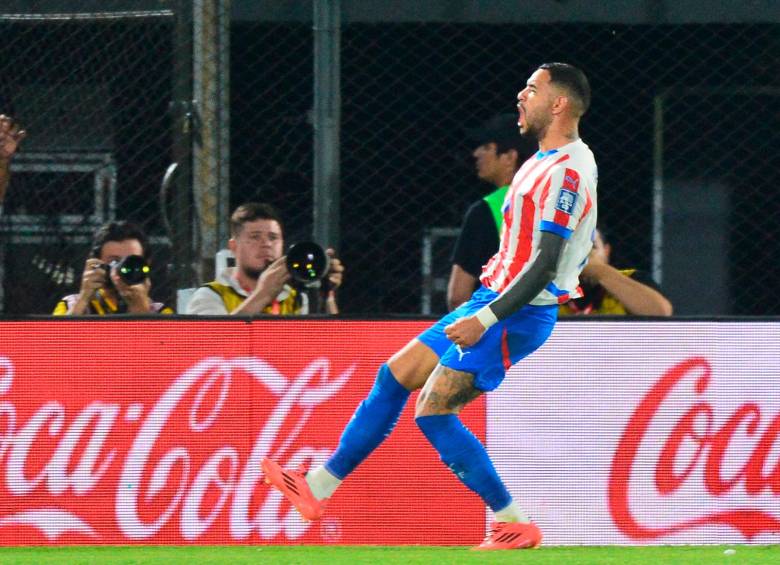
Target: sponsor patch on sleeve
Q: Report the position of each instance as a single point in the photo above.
(566, 201)
(571, 180)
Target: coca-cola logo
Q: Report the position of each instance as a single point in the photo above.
(695, 449)
(155, 486)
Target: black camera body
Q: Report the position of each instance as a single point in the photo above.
(132, 269)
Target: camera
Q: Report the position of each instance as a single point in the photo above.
(132, 269)
(307, 263)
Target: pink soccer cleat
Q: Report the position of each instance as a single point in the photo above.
(293, 485)
(511, 535)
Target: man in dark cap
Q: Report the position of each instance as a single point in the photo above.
(500, 152)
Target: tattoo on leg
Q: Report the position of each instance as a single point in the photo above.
(447, 392)
(435, 401)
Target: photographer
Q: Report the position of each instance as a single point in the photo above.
(615, 292)
(10, 137)
(104, 290)
(260, 283)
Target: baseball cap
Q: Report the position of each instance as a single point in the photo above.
(500, 128)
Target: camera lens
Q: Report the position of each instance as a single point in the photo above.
(307, 262)
(133, 269)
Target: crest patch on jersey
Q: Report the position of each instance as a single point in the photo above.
(566, 201)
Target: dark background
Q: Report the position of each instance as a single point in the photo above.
(408, 92)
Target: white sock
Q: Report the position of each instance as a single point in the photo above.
(512, 513)
(322, 483)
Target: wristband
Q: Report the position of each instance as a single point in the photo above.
(486, 317)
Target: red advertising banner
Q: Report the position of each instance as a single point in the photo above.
(117, 432)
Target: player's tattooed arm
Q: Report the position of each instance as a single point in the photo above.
(524, 289)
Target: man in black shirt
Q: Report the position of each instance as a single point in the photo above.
(500, 152)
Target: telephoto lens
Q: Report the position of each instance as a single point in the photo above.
(133, 269)
(307, 262)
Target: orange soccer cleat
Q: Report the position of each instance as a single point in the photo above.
(511, 535)
(293, 485)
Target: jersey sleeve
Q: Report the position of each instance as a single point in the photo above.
(564, 203)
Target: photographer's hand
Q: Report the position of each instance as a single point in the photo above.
(335, 278)
(94, 278)
(268, 287)
(136, 296)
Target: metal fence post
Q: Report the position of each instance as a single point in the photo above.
(327, 117)
(211, 145)
(182, 118)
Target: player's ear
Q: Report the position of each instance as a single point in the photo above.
(561, 104)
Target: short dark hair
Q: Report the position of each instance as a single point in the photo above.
(573, 80)
(118, 231)
(250, 212)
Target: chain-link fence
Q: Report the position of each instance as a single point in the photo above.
(92, 91)
(409, 91)
(684, 125)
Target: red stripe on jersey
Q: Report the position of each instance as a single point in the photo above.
(543, 198)
(534, 164)
(525, 238)
(546, 191)
(493, 268)
(505, 351)
(588, 206)
(571, 182)
(561, 218)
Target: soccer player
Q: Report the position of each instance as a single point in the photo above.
(549, 220)
(500, 150)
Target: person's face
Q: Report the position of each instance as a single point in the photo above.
(116, 250)
(487, 162)
(492, 166)
(257, 245)
(535, 105)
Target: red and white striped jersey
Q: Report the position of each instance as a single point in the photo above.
(553, 191)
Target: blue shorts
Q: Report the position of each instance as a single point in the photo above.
(501, 346)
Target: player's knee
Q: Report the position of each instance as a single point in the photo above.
(420, 407)
(428, 406)
(413, 364)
